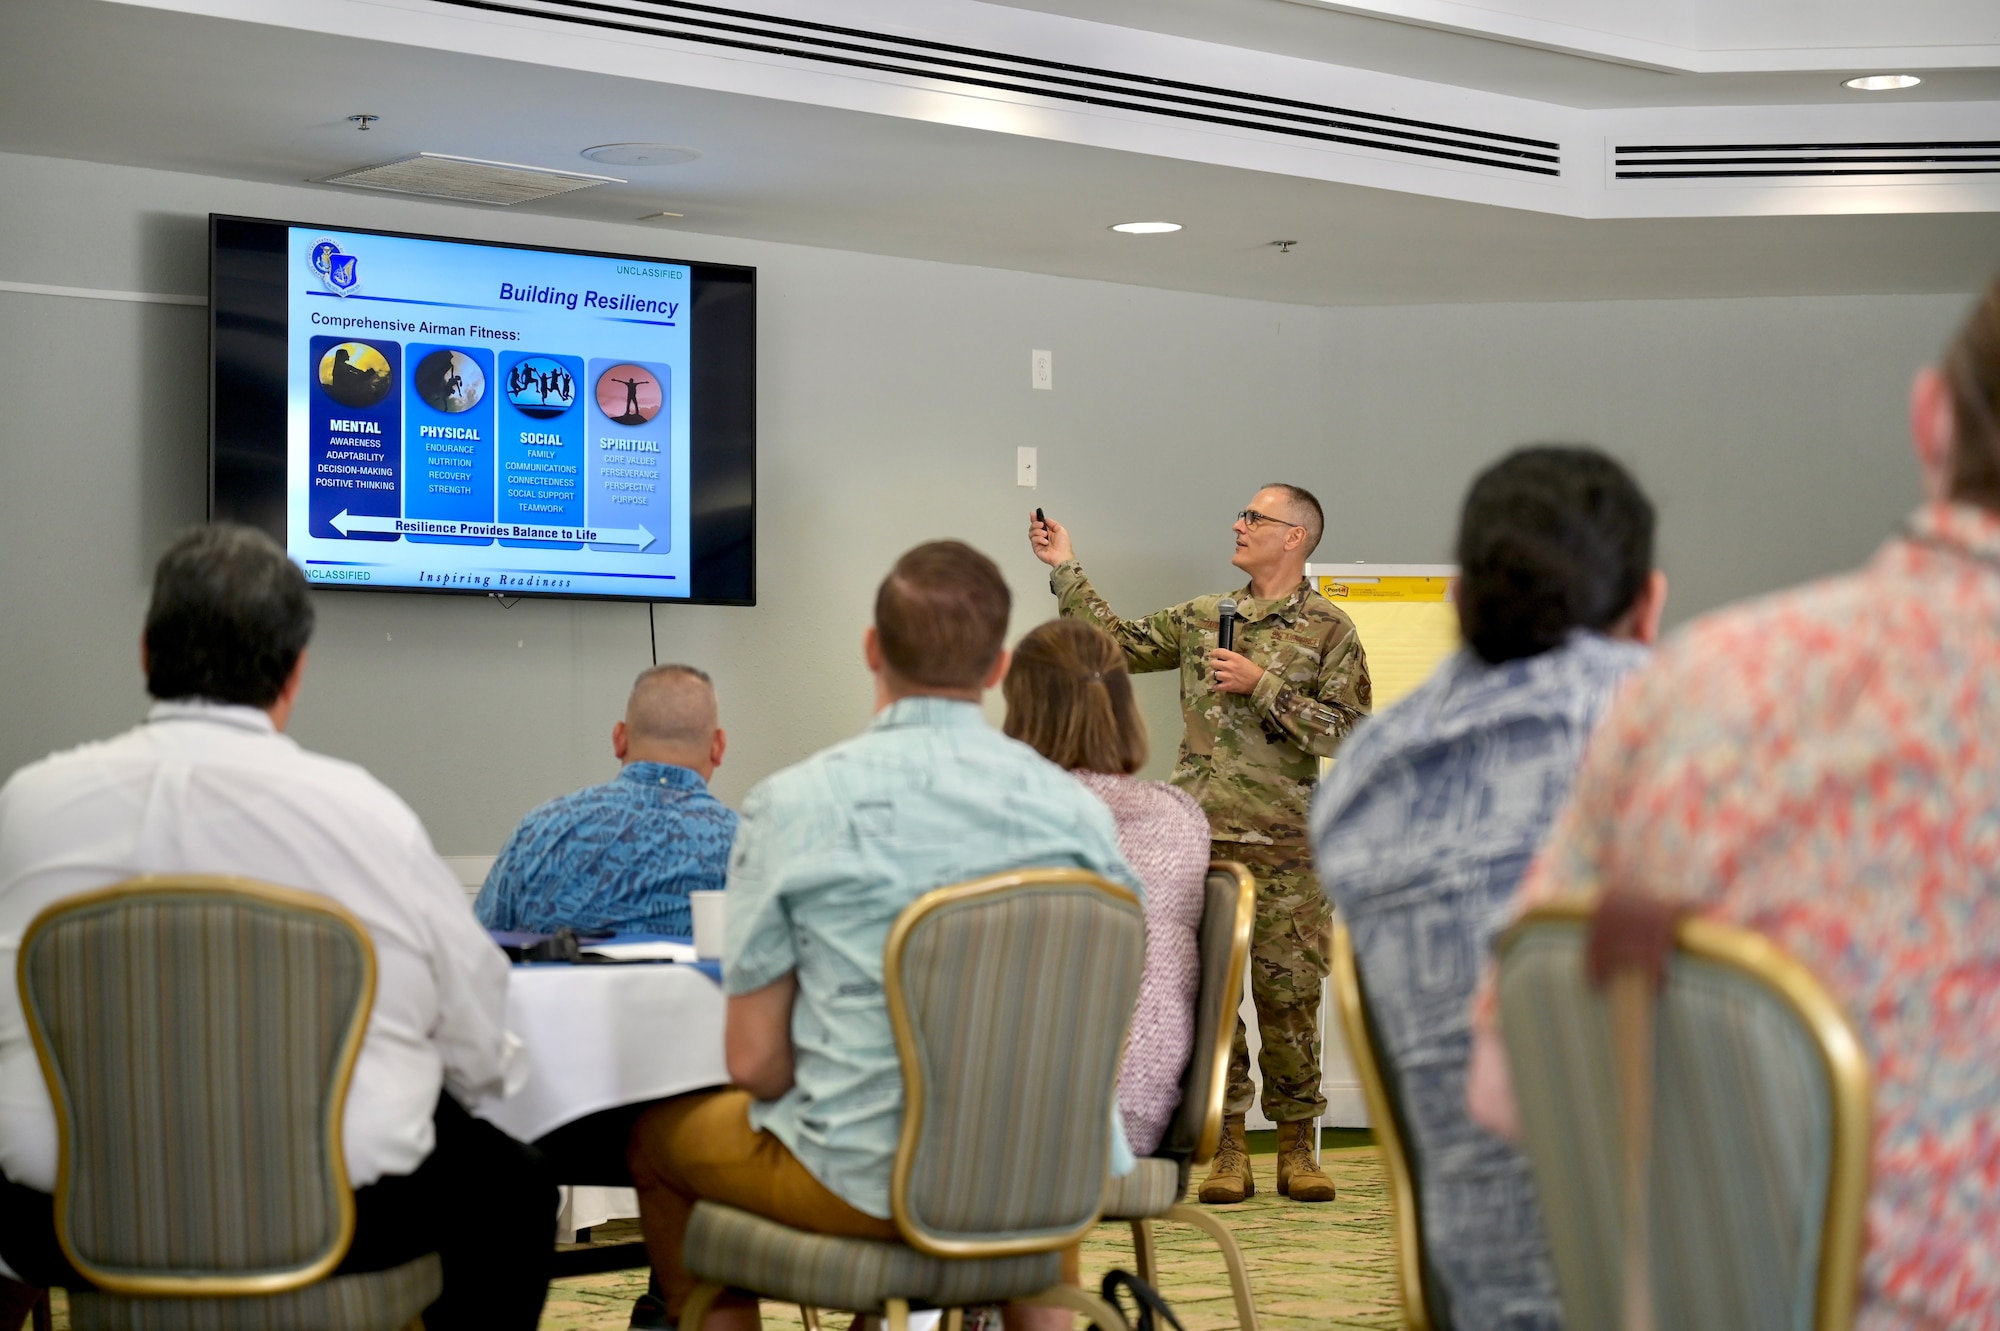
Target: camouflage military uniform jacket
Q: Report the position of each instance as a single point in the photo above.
(1249, 760)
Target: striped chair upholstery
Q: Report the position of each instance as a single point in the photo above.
(1425, 1307)
(1759, 1131)
(1154, 1190)
(1148, 1192)
(1010, 998)
(1229, 903)
(198, 1036)
(746, 1251)
(393, 1298)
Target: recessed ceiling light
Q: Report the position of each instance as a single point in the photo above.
(1146, 228)
(642, 154)
(1882, 82)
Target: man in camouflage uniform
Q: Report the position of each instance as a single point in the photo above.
(1258, 720)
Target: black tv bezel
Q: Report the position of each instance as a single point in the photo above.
(247, 427)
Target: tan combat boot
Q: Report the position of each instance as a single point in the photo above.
(1229, 1178)
(1299, 1175)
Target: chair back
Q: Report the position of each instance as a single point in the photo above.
(1423, 1307)
(1229, 905)
(198, 1035)
(1723, 1126)
(1010, 998)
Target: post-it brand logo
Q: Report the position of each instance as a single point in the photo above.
(339, 273)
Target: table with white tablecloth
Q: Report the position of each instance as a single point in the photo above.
(598, 1037)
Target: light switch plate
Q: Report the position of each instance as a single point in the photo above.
(1025, 467)
(1042, 369)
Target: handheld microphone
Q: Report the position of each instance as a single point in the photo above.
(1225, 633)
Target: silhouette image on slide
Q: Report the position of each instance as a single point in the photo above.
(450, 381)
(629, 394)
(541, 387)
(354, 374)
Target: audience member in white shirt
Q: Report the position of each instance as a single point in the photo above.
(210, 784)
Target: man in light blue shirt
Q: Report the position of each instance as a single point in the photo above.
(829, 853)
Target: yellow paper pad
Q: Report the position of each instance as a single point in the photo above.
(1407, 621)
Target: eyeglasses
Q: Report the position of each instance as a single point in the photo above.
(1250, 517)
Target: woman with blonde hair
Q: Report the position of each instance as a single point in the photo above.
(1069, 698)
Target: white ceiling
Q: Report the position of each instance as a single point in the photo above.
(1346, 36)
(153, 87)
(1142, 90)
(1698, 36)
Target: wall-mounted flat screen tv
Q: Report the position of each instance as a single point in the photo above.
(416, 413)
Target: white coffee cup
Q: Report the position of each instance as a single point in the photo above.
(708, 923)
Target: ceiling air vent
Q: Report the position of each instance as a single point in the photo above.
(468, 179)
(1087, 85)
(1804, 161)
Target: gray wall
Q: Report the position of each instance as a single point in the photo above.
(1770, 432)
(893, 394)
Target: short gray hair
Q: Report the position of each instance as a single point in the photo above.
(1306, 509)
(672, 704)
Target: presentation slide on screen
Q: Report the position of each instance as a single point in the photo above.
(475, 418)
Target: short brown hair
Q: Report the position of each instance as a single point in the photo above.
(941, 616)
(1972, 370)
(1069, 698)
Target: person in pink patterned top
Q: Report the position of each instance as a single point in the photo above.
(1069, 698)
(1823, 766)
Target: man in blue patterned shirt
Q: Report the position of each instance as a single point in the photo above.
(623, 856)
(1436, 807)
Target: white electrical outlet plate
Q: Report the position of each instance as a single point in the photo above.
(1024, 467)
(1042, 369)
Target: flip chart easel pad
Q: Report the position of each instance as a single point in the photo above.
(1404, 614)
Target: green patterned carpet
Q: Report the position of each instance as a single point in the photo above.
(1311, 1267)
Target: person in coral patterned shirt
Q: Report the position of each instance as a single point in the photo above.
(1823, 766)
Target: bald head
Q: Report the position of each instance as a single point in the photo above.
(671, 717)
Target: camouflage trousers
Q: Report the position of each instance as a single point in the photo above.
(1287, 966)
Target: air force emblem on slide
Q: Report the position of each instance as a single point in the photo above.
(338, 273)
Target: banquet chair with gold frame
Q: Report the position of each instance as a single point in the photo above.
(1154, 1191)
(1422, 1309)
(1701, 1155)
(1010, 997)
(198, 1036)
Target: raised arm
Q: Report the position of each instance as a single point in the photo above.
(1319, 720)
(1151, 643)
